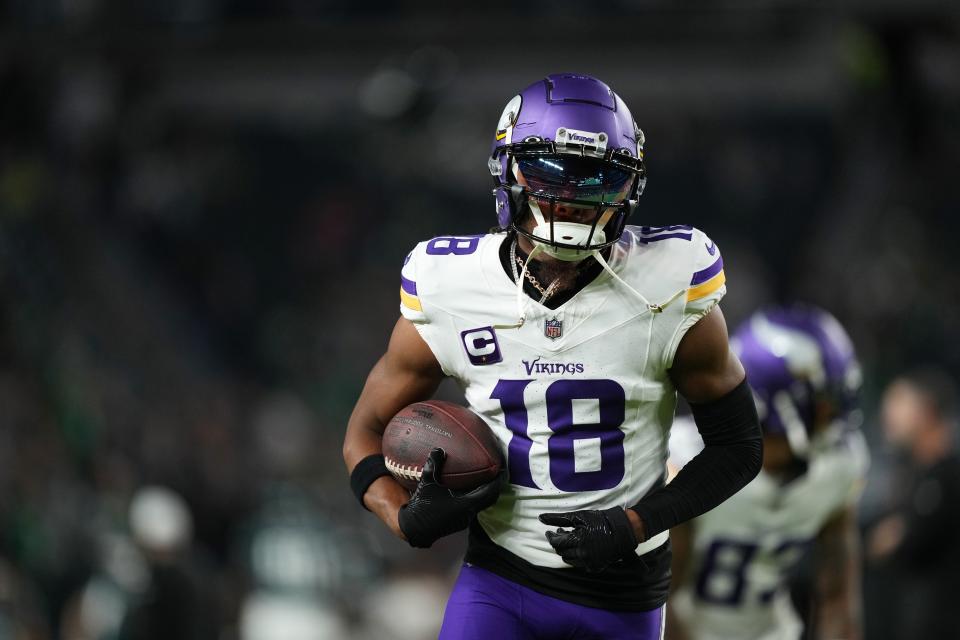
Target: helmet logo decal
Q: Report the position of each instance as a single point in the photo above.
(508, 118)
(799, 351)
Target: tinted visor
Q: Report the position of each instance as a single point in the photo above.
(585, 180)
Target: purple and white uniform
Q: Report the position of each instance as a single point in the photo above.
(745, 549)
(579, 396)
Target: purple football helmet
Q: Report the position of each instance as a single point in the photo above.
(797, 357)
(567, 140)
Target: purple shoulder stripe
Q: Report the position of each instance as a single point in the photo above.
(670, 227)
(408, 285)
(705, 274)
(665, 236)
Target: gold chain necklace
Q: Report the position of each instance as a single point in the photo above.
(546, 293)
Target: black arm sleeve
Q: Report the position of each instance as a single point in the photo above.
(732, 457)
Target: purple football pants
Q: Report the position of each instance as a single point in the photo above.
(484, 606)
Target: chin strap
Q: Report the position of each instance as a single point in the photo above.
(654, 308)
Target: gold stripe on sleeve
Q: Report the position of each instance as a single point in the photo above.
(704, 289)
(409, 301)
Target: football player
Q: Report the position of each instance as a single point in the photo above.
(732, 564)
(570, 333)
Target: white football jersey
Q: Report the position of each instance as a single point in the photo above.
(578, 396)
(745, 548)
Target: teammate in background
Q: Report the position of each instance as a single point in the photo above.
(570, 334)
(731, 565)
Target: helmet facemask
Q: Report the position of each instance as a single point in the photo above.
(579, 203)
(576, 203)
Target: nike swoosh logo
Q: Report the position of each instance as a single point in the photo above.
(711, 248)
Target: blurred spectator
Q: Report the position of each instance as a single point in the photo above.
(180, 599)
(293, 559)
(283, 617)
(919, 538)
(405, 607)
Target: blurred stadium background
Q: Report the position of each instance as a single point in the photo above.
(204, 205)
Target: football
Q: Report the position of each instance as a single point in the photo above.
(473, 452)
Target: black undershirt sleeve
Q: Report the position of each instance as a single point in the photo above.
(731, 458)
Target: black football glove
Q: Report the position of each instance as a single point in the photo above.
(434, 511)
(595, 540)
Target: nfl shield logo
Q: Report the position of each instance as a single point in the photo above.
(553, 329)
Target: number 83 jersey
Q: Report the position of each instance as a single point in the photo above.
(743, 551)
(578, 396)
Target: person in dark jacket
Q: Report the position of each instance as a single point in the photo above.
(917, 541)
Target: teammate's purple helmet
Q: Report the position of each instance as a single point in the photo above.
(796, 357)
(568, 139)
